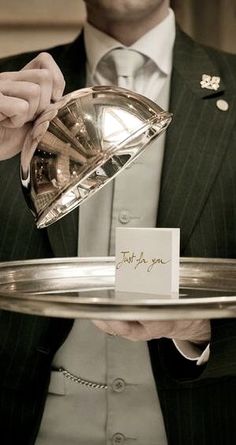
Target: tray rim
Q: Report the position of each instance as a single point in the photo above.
(87, 307)
(58, 260)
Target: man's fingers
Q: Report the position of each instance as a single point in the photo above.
(40, 84)
(28, 91)
(45, 61)
(39, 130)
(52, 110)
(15, 110)
(25, 94)
(191, 330)
(2, 116)
(129, 330)
(44, 79)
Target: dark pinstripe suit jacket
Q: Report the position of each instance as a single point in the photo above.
(198, 194)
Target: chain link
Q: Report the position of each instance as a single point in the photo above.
(81, 381)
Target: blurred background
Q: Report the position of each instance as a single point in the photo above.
(34, 24)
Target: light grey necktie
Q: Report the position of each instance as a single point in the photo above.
(127, 63)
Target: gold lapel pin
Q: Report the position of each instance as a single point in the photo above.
(210, 82)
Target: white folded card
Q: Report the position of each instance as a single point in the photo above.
(147, 261)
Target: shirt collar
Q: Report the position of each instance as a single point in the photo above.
(157, 44)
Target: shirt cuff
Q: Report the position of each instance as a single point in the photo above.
(193, 352)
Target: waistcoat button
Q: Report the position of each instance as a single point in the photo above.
(124, 217)
(118, 385)
(118, 439)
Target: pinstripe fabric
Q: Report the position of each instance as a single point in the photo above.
(25, 370)
(198, 141)
(198, 195)
(19, 239)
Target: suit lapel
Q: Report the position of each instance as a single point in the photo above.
(63, 235)
(196, 140)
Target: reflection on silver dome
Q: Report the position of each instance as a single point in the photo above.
(96, 133)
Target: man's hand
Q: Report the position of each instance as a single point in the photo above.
(23, 96)
(196, 331)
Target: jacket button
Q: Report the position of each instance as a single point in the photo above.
(222, 105)
(118, 439)
(118, 385)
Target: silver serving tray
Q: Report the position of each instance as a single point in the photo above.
(84, 288)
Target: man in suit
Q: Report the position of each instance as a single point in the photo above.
(196, 194)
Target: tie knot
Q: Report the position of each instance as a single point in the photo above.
(126, 61)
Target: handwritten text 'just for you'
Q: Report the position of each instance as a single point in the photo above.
(129, 257)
